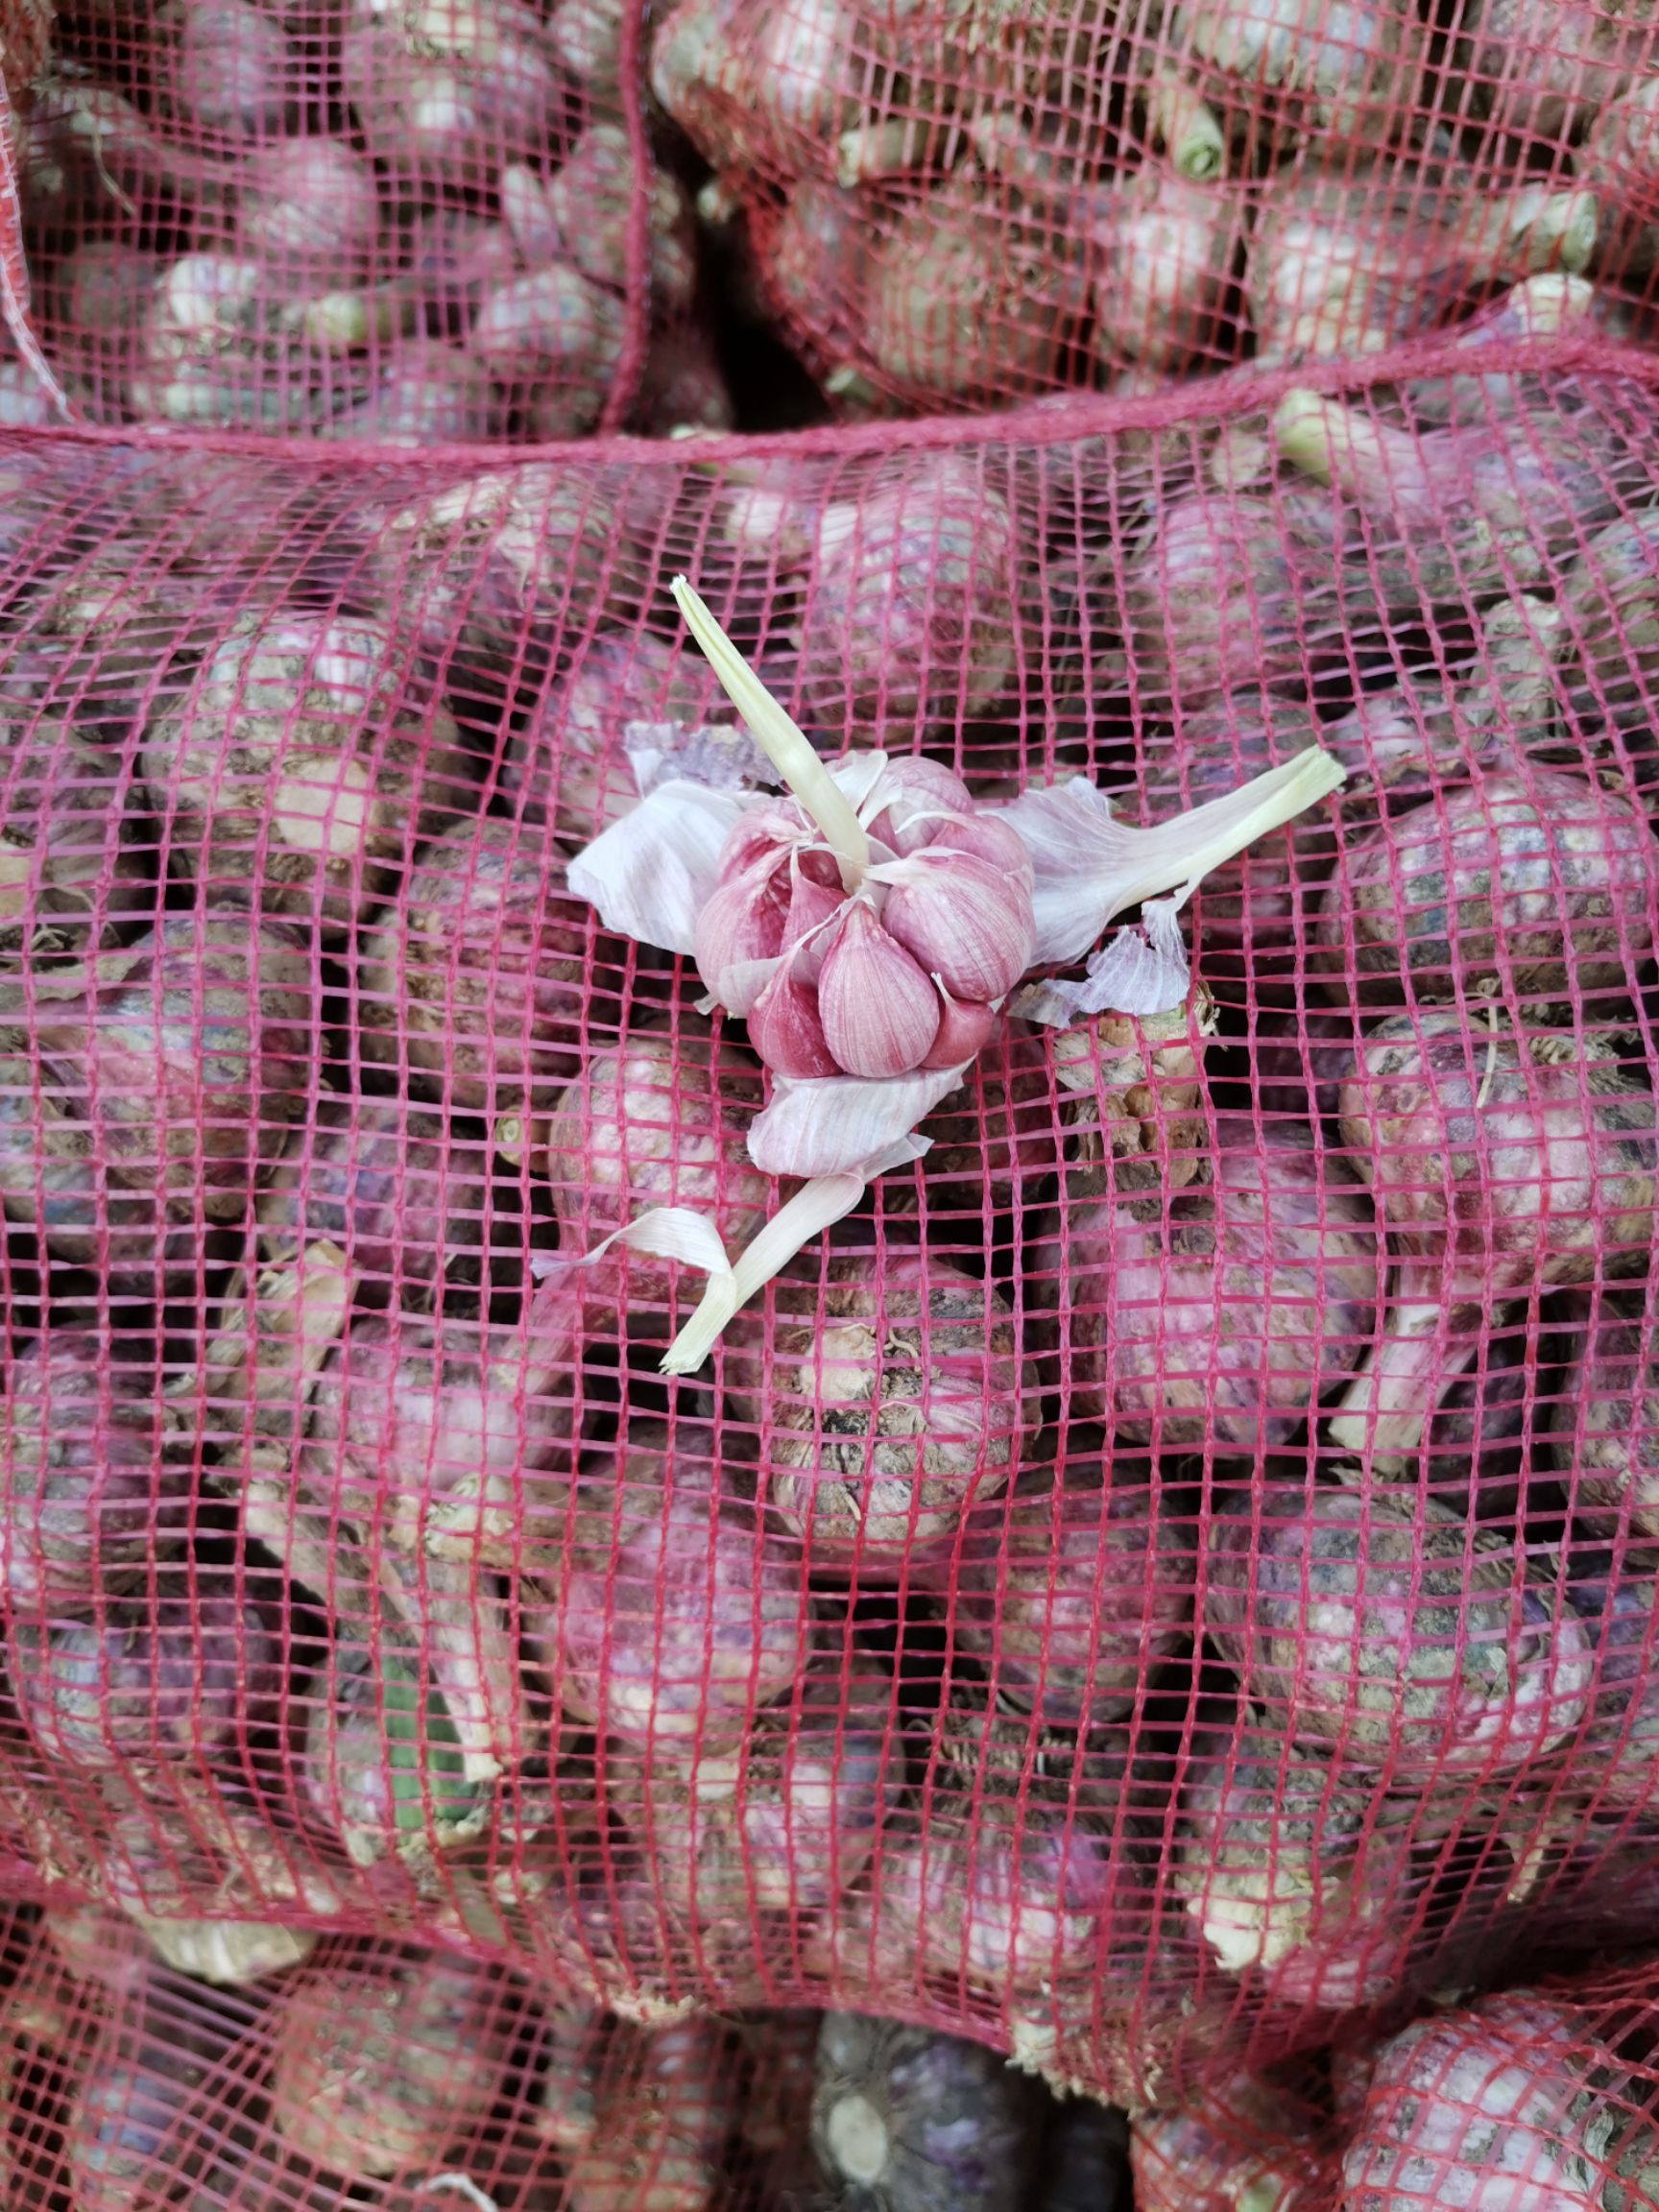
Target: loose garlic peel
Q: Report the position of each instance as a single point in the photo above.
(1089, 867)
(676, 1233)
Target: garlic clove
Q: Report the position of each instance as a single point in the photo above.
(962, 920)
(811, 906)
(769, 828)
(964, 1029)
(879, 1010)
(859, 778)
(917, 796)
(743, 923)
(989, 839)
(787, 1031)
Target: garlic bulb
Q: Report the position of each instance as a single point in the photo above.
(897, 970)
(870, 927)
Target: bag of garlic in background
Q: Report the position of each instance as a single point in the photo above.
(407, 225)
(428, 221)
(956, 206)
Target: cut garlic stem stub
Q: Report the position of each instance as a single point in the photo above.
(455, 2189)
(1268, 2192)
(521, 1140)
(1180, 120)
(784, 744)
(1307, 425)
(311, 1304)
(894, 146)
(1393, 1396)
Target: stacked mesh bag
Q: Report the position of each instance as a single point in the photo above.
(1154, 1572)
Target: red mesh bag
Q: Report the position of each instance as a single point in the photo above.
(959, 206)
(28, 30)
(1542, 2094)
(392, 2075)
(1153, 1570)
(452, 220)
(383, 2074)
(402, 226)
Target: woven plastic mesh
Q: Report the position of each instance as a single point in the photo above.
(395, 2075)
(383, 2074)
(1171, 1572)
(958, 206)
(449, 220)
(405, 224)
(25, 34)
(1542, 2094)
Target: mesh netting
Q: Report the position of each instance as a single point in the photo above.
(1534, 2096)
(401, 225)
(1162, 1581)
(384, 2074)
(1194, 1524)
(390, 2075)
(452, 220)
(963, 206)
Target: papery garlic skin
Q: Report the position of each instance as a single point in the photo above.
(1088, 867)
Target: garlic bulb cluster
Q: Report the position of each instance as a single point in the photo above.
(903, 969)
(869, 926)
